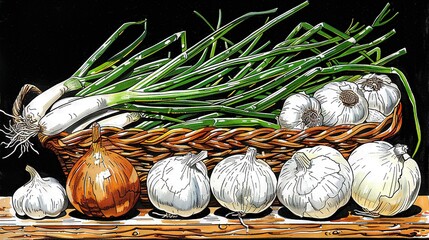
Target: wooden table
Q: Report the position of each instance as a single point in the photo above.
(276, 223)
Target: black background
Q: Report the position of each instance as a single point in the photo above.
(44, 42)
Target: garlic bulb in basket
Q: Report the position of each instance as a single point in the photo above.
(179, 185)
(300, 111)
(387, 180)
(382, 95)
(39, 197)
(342, 103)
(315, 182)
(243, 183)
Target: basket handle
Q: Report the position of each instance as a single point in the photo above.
(17, 105)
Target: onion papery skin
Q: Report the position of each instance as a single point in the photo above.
(385, 183)
(103, 184)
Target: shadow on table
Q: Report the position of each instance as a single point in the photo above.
(349, 209)
(224, 212)
(131, 214)
(343, 212)
(156, 213)
(410, 212)
(62, 214)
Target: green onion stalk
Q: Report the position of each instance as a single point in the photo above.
(239, 86)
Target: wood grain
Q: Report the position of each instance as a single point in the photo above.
(275, 224)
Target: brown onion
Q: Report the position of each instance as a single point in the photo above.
(102, 183)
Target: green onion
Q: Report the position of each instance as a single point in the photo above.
(192, 51)
(241, 86)
(196, 109)
(118, 71)
(225, 123)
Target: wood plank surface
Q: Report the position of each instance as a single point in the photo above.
(274, 223)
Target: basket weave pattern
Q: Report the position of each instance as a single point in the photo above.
(144, 148)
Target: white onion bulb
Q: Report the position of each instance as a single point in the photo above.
(387, 180)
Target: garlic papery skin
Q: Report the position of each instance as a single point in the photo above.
(300, 112)
(387, 180)
(382, 95)
(180, 185)
(342, 103)
(243, 183)
(39, 197)
(315, 182)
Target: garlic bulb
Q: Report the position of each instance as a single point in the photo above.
(244, 184)
(342, 103)
(179, 185)
(300, 111)
(387, 180)
(315, 182)
(382, 95)
(39, 197)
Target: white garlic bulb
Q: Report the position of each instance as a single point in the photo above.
(315, 182)
(382, 95)
(39, 197)
(342, 103)
(300, 111)
(179, 185)
(243, 183)
(387, 180)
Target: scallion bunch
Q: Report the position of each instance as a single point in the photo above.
(215, 82)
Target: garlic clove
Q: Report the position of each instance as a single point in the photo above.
(356, 115)
(326, 151)
(169, 175)
(18, 199)
(32, 207)
(202, 168)
(259, 189)
(329, 187)
(375, 116)
(321, 179)
(286, 189)
(390, 96)
(320, 168)
(176, 167)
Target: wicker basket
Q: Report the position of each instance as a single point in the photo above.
(143, 148)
